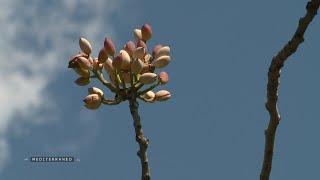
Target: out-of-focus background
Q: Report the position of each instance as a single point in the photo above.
(212, 128)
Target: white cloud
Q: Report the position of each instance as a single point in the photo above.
(36, 36)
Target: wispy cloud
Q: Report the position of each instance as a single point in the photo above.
(36, 36)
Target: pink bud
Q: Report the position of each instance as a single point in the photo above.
(163, 77)
(82, 72)
(156, 49)
(109, 46)
(85, 46)
(92, 101)
(148, 78)
(163, 95)
(103, 56)
(116, 63)
(146, 32)
(73, 63)
(82, 81)
(84, 63)
(129, 47)
(139, 53)
(137, 34)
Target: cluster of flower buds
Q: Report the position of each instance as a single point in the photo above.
(128, 71)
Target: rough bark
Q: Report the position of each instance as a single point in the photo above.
(141, 140)
(273, 84)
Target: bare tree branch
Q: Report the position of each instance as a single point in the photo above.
(273, 84)
(143, 142)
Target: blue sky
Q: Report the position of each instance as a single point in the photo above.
(211, 128)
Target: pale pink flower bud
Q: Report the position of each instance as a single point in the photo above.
(74, 62)
(161, 61)
(85, 46)
(82, 72)
(162, 95)
(95, 90)
(125, 60)
(139, 53)
(148, 78)
(146, 32)
(109, 46)
(116, 63)
(103, 56)
(156, 49)
(92, 101)
(163, 77)
(129, 47)
(137, 66)
(163, 51)
(137, 34)
(150, 95)
(82, 81)
(84, 63)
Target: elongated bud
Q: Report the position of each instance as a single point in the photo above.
(116, 63)
(125, 60)
(103, 56)
(150, 95)
(146, 32)
(139, 53)
(163, 77)
(129, 47)
(163, 51)
(82, 72)
(73, 62)
(148, 78)
(92, 101)
(95, 90)
(156, 49)
(82, 81)
(137, 34)
(109, 46)
(162, 95)
(108, 66)
(137, 66)
(85, 46)
(84, 63)
(161, 61)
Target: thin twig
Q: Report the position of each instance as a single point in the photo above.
(273, 84)
(111, 101)
(143, 142)
(149, 88)
(105, 82)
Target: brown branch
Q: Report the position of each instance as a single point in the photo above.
(273, 84)
(142, 141)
